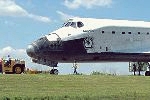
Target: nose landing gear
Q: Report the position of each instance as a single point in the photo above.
(54, 71)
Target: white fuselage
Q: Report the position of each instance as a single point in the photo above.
(109, 35)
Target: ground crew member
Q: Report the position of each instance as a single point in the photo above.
(75, 66)
(139, 67)
(134, 68)
(8, 59)
(148, 66)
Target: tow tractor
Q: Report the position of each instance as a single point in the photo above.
(12, 66)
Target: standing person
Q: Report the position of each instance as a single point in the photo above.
(148, 66)
(8, 59)
(134, 68)
(75, 66)
(139, 67)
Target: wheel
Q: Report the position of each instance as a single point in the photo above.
(17, 70)
(54, 71)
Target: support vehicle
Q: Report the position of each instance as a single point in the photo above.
(12, 66)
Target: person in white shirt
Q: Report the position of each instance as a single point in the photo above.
(75, 66)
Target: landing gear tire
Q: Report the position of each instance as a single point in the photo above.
(54, 72)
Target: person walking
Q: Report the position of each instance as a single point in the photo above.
(75, 66)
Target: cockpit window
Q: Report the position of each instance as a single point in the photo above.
(67, 24)
(80, 24)
(73, 24)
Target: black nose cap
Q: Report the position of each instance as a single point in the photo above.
(31, 51)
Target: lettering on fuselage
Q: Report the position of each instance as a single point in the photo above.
(88, 30)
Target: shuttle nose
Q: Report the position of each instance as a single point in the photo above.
(30, 50)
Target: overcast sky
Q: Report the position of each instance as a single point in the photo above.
(23, 21)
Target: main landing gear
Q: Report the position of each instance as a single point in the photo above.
(54, 71)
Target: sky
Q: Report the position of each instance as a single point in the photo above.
(23, 21)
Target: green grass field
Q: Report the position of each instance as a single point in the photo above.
(74, 87)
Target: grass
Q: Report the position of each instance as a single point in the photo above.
(73, 87)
